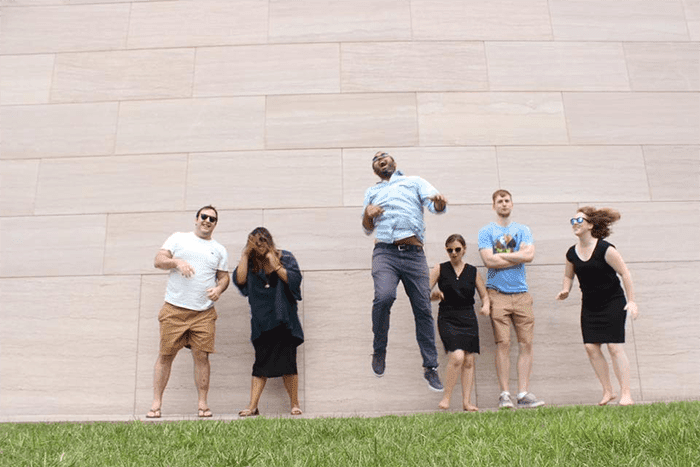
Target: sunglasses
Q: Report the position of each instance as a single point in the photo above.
(206, 217)
(456, 250)
(379, 156)
(578, 220)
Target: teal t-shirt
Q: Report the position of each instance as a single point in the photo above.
(506, 240)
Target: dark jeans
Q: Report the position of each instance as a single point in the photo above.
(389, 265)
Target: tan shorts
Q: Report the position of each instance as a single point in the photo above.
(180, 327)
(515, 308)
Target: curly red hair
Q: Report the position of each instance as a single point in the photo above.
(601, 219)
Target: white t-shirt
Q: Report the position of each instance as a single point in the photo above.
(205, 257)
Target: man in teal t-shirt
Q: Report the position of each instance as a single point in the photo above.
(505, 247)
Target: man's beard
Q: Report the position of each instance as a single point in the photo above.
(387, 172)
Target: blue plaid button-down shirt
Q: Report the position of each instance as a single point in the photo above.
(403, 199)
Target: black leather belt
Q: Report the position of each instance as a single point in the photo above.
(402, 247)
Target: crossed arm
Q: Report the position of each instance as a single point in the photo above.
(505, 260)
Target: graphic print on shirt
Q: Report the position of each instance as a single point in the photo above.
(505, 244)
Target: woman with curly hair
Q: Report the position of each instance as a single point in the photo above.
(596, 263)
(271, 280)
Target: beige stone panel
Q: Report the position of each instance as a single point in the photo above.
(674, 172)
(462, 174)
(339, 347)
(231, 364)
(134, 239)
(549, 224)
(18, 180)
(191, 125)
(267, 69)
(123, 75)
(479, 118)
(562, 373)
(555, 66)
(655, 232)
(573, 173)
(190, 23)
(75, 354)
(57, 130)
(63, 28)
(338, 120)
(25, 79)
(667, 329)
(413, 66)
(465, 220)
(632, 20)
(266, 179)
(338, 20)
(323, 238)
(478, 20)
(663, 66)
(61, 2)
(550, 227)
(112, 184)
(692, 17)
(52, 245)
(633, 118)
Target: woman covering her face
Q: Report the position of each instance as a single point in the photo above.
(604, 308)
(457, 324)
(271, 280)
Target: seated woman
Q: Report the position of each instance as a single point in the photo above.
(597, 264)
(457, 324)
(271, 280)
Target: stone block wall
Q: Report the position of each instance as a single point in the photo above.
(119, 119)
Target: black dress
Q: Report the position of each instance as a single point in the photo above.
(457, 324)
(602, 309)
(275, 327)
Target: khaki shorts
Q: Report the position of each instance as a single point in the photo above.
(180, 327)
(515, 308)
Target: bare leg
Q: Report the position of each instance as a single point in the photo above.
(503, 364)
(524, 366)
(257, 384)
(600, 366)
(621, 365)
(454, 367)
(201, 376)
(161, 375)
(468, 382)
(291, 384)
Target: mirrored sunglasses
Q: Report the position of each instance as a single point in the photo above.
(379, 156)
(577, 220)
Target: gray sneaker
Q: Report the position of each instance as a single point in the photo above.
(378, 364)
(431, 376)
(504, 401)
(529, 401)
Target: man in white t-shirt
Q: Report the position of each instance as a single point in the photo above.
(198, 267)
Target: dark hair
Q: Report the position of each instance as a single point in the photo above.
(601, 219)
(498, 193)
(255, 262)
(455, 238)
(207, 207)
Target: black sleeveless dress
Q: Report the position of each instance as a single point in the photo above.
(457, 324)
(602, 310)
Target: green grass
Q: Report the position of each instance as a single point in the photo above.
(645, 435)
